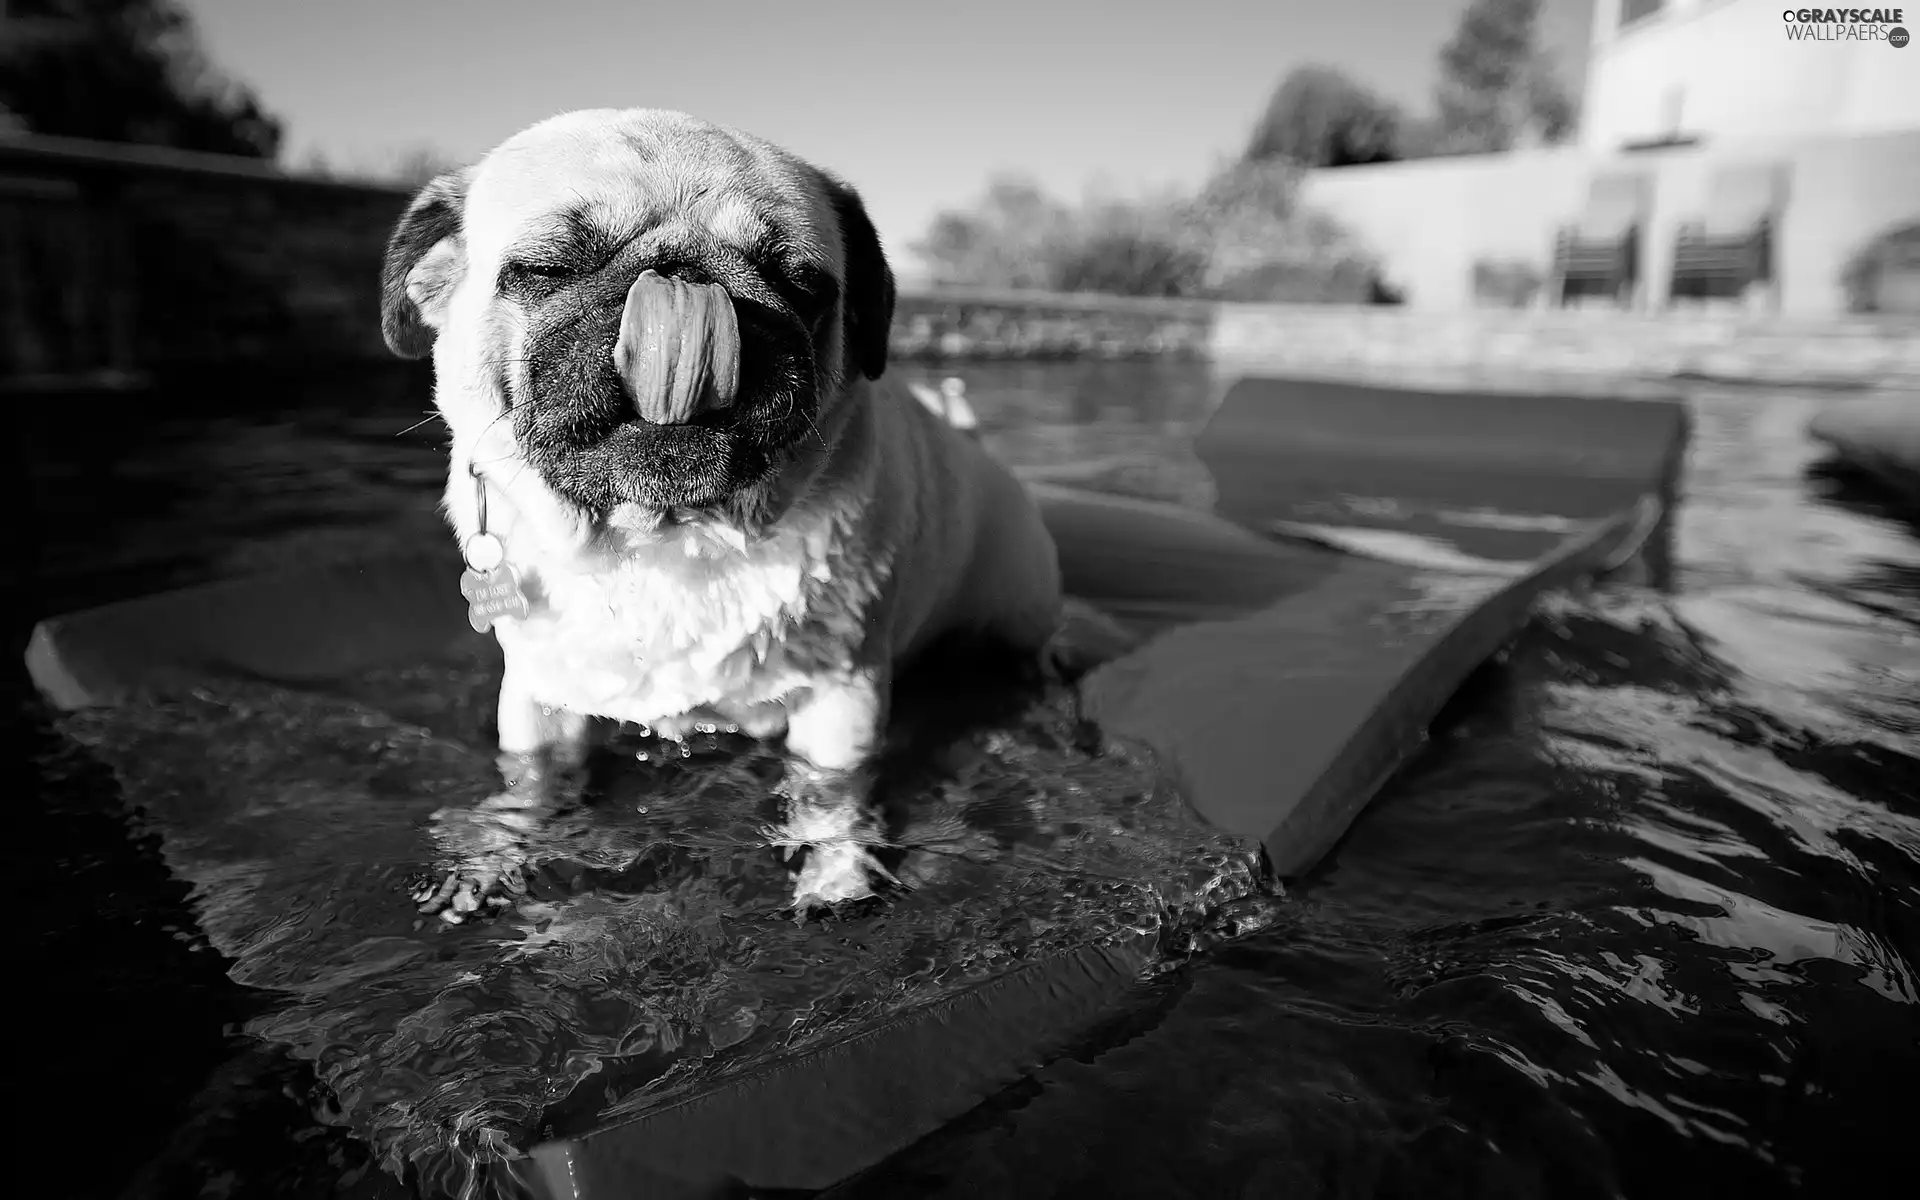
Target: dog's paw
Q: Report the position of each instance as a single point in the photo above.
(486, 847)
(472, 888)
(835, 873)
(828, 820)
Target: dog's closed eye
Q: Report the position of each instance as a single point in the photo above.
(520, 271)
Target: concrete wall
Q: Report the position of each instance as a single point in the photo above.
(1430, 220)
(1727, 68)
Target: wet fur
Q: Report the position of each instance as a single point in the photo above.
(785, 597)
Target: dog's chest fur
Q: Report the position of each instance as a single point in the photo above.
(691, 622)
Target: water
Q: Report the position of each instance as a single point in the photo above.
(1641, 922)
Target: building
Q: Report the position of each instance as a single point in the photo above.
(1684, 99)
(1659, 70)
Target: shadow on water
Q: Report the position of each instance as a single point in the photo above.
(1643, 921)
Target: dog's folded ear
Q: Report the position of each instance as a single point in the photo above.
(424, 261)
(868, 303)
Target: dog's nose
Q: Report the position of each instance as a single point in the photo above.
(678, 352)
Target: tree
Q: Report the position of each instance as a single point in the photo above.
(1871, 274)
(1319, 117)
(1498, 88)
(124, 71)
(1000, 241)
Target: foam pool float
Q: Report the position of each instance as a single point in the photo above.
(1369, 549)
(1878, 436)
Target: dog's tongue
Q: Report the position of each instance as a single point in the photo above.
(679, 348)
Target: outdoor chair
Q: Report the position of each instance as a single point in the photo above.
(1729, 249)
(1599, 254)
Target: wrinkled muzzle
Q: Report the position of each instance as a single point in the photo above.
(678, 351)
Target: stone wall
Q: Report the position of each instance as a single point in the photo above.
(1600, 346)
(959, 325)
(1562, 347)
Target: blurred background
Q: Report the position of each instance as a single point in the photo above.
(192, 182)
(1644, 920)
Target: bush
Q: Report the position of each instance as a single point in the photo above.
(1506, 283)
(1127, 262)
(1870, 272)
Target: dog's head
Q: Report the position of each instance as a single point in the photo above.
(660, 309)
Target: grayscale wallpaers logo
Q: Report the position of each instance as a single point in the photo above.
(1847, 25)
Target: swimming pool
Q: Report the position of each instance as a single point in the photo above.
(1642, 920)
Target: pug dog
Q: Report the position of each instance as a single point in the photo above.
(687, 494)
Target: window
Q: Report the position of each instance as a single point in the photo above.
(1637, 10)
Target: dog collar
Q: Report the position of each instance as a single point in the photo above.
(491, 586)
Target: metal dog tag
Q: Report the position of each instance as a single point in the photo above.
(492, 595)
(492, 588)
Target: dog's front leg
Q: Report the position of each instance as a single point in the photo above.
(541, 746)
(542, 752)
(833, 732)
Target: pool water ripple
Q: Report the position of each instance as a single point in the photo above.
(1643, 921)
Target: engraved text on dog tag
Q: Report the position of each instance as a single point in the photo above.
(492, 595)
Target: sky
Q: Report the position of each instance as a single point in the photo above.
(915, 103)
